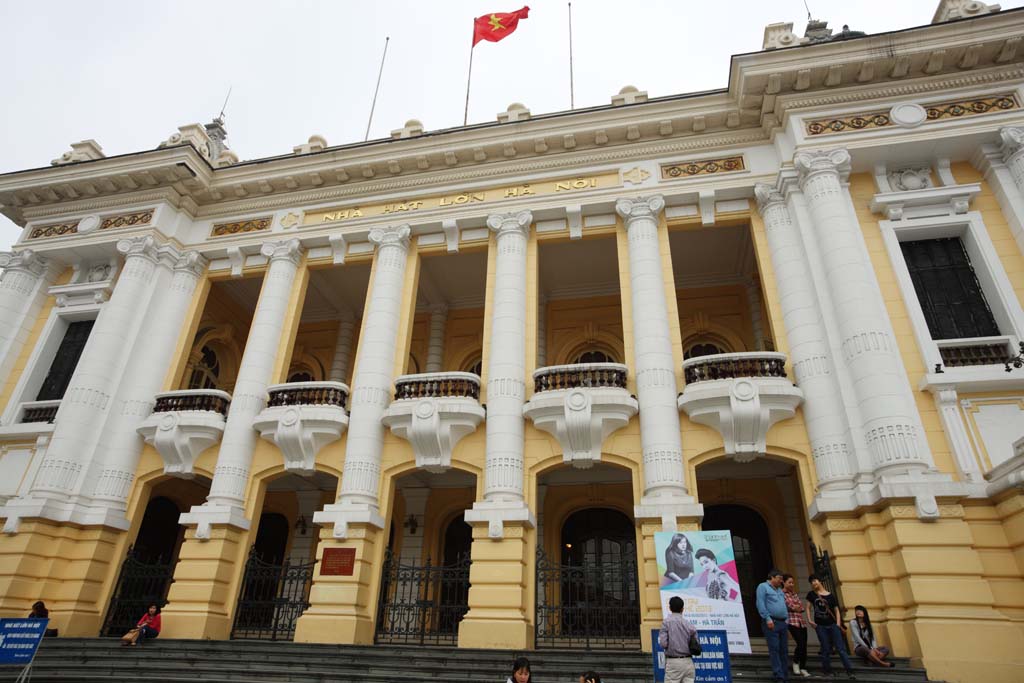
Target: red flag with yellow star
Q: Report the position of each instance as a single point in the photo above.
(494, 27)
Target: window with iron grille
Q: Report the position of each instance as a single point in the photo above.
(64, 363)
(950, 295)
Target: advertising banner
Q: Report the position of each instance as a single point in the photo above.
(700, 567)
(19, 639)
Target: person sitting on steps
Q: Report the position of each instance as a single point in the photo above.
(147, 628)
(864, 644)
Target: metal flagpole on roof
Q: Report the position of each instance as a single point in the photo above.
(377, 89)
(469, 76)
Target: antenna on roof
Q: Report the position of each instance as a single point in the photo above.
(225, 105)
(807, 7)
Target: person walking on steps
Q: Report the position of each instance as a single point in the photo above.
(797, 624)
(674, 639)
(823, 615)
(771, 605)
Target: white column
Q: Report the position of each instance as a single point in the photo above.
(88, 396)
(112, 469)
(506, 387)
(1012, 150)
(890, 419)
(435, 345)
(23, 284)
(756, 322)
(371, 387)
(343, 350)
(226, 501)
(665, 493)
(542, 332)
(824, 413)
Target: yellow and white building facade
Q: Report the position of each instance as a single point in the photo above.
(493, 353)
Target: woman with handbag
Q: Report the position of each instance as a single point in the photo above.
(147, 628)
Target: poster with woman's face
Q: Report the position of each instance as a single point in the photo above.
(700, 567)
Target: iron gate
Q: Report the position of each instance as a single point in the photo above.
(272, 599)
(422, 605)
(139, 585)
(591, 605)
(821, 564)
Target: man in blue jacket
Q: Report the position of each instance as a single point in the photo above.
(771, 605)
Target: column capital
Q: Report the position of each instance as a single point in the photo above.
(25, 260)
(191, 262)
(815, 161)
(767, 196)
(639, 207)
(139, 247)
(504, 223)
(1011, 140)
(285, 250)
(392, 236)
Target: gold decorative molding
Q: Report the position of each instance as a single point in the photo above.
(127, 220)
(935, 112)
(238, 227)
(53, 230)
(843, 524)
(689, 169)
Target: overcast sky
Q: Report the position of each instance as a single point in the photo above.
(128, 73)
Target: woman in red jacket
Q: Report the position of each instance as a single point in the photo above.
(148, 627)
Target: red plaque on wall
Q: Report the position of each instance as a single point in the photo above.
(338, 562)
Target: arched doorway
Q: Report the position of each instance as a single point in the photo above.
(148, 567)
(752, 548)
(591, 596)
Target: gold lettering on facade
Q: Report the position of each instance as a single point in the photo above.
(577, 184)
(464, 198)
(519, 191)
(343, 214)
(402, 206)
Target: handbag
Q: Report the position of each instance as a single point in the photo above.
(694, 645)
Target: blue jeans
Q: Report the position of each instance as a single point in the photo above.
(829, 636)
(778, 647)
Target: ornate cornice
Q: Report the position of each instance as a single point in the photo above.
(510, 223)
(639, 207)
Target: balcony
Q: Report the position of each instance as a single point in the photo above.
(741, 395)
(581, 405)
(183, 425)
(433, 412)
(301, 418)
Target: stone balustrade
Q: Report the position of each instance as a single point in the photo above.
(184, 424)
(308, 394)
(193, 399)
(581, 375)
(437, 385)
(734, 365)
(301, 418)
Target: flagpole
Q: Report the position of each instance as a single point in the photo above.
(572, 88)
(469, 76)
(377, 89)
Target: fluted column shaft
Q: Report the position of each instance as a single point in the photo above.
(542, 332)
(117, 453)
(825, 415)
(655, 365)
(255, 373)
(22, 290)
(1012, 139)
(342, 350)
(506, 367)
(868, 347)
(371, 386)
(435, 345)
(88, 396)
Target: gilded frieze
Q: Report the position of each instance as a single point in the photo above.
(239, 227)
(127, 220)
(936, 112)
(689, 169)
(54, 230)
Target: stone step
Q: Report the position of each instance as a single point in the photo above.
(65, 659)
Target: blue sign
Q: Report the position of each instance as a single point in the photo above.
(19, 639)
(712, 666)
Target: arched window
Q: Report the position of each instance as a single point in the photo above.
(206, 372)
(702, 349)
(594, 356)
(476, 365)
(301, 376)
(414, 365)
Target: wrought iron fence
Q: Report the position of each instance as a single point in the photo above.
(140, 583)
(272, 599)
(593, 605)
(422, 604)
(821, 564)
